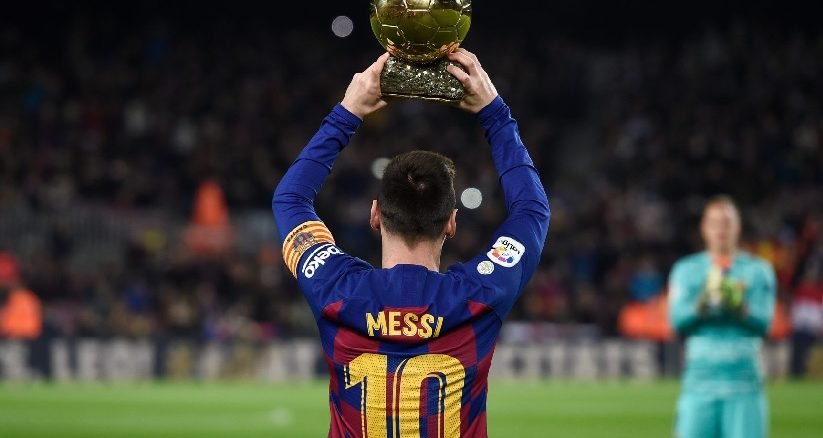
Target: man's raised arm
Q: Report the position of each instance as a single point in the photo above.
(526, 200)
(518, 242)
(293, 202)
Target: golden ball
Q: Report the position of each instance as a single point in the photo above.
(420, 30)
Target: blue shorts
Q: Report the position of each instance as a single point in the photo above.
(737, 416)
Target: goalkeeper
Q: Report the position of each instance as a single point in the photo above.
(722, 302)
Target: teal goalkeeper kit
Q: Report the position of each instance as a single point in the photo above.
(724, 311)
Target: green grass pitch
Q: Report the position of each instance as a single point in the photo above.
(516, 409)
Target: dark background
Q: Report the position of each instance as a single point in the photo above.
(113, 113)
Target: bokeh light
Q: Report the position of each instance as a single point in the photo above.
(378, 166)
(471, 198)
(342, 26)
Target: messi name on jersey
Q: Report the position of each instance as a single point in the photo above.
(398, 323)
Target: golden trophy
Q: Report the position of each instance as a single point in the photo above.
(419, 34)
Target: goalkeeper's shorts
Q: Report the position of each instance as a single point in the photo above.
(735, 416)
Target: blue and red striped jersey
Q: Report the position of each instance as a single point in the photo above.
(409, 349)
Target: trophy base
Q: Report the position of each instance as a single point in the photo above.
(421, 81)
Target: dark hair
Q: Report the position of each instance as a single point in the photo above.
(416, 195)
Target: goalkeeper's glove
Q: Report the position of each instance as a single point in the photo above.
(731, 293)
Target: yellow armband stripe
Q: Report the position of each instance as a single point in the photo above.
(300, 239)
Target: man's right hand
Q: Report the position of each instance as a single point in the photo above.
(363, 97)
(480, 90)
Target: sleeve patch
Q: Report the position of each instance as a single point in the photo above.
(485, 267)
(300, 239)
(506, 252)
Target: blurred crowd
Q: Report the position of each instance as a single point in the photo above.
(630, 138)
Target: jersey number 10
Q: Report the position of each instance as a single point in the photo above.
(370, 371)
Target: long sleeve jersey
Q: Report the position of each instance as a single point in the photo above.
(409, 349)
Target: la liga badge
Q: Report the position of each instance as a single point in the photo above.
(506, 252)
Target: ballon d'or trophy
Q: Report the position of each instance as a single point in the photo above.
(419, 34)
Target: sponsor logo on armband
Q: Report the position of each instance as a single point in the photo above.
(318, 258)
(506, 252)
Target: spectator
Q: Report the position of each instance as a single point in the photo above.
(20, 313)
(106, 136)
(807, 315)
